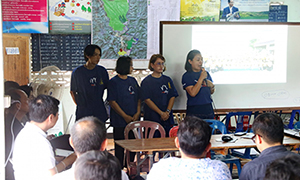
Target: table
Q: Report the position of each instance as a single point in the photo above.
(168, 144)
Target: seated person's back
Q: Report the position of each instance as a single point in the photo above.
(287, 168)
(268, 129)
(97, 165)
(193, 142)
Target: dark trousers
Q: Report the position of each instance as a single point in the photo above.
(118, 133)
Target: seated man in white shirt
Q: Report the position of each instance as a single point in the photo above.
(96, 165)
(88, 133)
(193, 142)
(33, 156)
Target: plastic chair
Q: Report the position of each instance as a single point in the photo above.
(141, 130)
(240, 117)
(228, 159)
(293, 114)
(173, 131)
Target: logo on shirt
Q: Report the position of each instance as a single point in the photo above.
(93, 81)
(164, 89)
(131, 90)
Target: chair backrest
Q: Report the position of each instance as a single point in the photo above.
(179, 117)
(216, 125)
(173, 131)
(144, 129)
(239, 117)
(292, 118)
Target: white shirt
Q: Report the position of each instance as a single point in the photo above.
(70, 175)
(33, 156)
(192, 169)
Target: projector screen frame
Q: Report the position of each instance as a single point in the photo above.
(222, 109)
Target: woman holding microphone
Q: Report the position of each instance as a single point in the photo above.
(199, 87)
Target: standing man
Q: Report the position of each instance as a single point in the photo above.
(230, 12)
(88, 83)
(33, 157)
(268, 137)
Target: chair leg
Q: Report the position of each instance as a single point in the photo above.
(231, 167)
(239, 167)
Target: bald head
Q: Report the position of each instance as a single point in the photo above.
(88, 134)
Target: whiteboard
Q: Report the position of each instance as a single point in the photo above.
(175, 43)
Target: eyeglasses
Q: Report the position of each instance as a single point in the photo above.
(254, 137)
(160, 64)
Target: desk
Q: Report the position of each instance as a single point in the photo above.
(168, 144)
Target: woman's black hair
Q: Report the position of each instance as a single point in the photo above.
(123, 65)
(190, 56)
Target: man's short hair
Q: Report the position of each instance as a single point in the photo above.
(270, 127)
(194, 136)
(97, 165)
(88, 134)
(41, 107)
(8, 85)
(90, 50)
(287, 168)
(123, 65)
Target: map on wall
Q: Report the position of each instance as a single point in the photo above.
(120, 28)
(70, 16)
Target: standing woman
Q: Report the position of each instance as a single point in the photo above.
(158, 93)
(199, 87)
(124, 99)
(88, 83)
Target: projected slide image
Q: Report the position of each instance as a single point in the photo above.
(243, 54)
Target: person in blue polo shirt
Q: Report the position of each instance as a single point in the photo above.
(158, 93)
(198, 86)
(124, 99)
(88, 83)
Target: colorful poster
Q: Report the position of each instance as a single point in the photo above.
(30, 16)
(245, 10)
(70, 16)
(199, 10)
(120, 28)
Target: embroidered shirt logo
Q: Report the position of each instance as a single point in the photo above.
(93, 81)
(164, 89)
(131, 90)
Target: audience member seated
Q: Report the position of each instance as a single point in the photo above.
(193, 142)
(33, 157)
(97, 165)
(13, 125)
(286, 168)
(268, 130)
(88, 133)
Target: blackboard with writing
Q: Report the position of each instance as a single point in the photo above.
(278, 13)
(63, 51)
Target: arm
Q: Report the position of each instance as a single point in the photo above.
(164, 115)
(63, 164)
(193, 90)
(73, 96)
(118, 110)
(138, 111)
